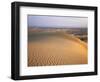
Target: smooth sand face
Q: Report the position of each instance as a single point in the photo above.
(56, 48)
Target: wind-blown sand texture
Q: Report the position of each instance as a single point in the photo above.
(55, 48)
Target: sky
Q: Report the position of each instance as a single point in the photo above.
(57, 21)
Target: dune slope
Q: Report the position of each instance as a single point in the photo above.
(55, 48)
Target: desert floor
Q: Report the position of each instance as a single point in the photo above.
(55, 48)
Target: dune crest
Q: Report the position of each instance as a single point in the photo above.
(75, 39)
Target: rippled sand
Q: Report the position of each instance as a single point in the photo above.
(56, 48)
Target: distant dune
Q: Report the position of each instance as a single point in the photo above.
(55, 48)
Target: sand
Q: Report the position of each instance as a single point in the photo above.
(56, 48)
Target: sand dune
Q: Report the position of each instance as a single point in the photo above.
(56, 48)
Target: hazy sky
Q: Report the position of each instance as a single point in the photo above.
(57, 21)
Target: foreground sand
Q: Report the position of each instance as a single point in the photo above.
(56, 48)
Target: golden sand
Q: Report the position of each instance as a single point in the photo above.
(57, 49)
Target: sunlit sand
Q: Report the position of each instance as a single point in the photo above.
(56, 48)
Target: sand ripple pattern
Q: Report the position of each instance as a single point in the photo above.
(46, 49)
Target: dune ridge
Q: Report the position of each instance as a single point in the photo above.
(74, 39)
